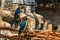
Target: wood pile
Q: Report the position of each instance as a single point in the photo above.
(34, 35)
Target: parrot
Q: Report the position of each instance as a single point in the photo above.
(23, 25)
(17, 11)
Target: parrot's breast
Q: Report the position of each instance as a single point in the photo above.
(22, 25)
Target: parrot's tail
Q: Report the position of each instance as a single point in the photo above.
(19, 32)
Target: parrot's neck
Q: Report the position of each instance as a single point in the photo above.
(19, 6)
(24, 20)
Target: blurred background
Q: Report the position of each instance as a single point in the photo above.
(49, 9)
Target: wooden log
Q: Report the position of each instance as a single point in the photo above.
(35, 38)
(40, 36)
(32, 35)
(50, 27)
(58, 38)
(57, 33)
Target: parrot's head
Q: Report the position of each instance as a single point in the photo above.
(25, 18)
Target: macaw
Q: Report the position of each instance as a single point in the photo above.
(17, 11)
(23, 25)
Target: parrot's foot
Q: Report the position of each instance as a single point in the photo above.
(18, 35)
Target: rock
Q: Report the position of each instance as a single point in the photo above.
(31, 19)
(4, 24)
(0, 14)
(7, 13)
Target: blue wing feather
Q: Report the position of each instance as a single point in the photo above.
(17, 11)
(22, 25)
